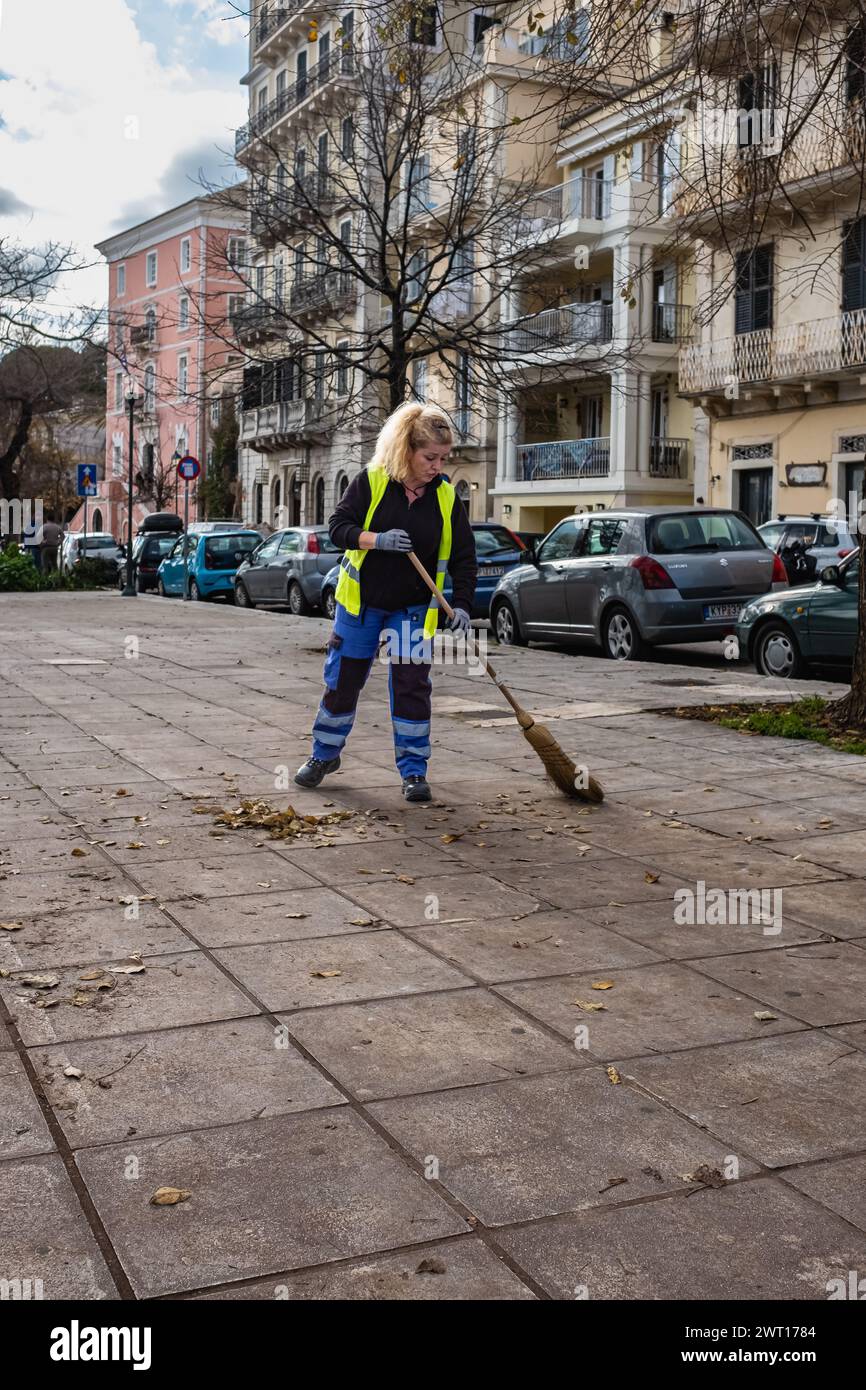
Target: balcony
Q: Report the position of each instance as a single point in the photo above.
(282, 423)
(564, 458)
(577, 197)
(142, 337)
(673, 323)
(272, 19)
(669, 458)
(280, 210)
(337, 63)
(571, 325)
(794, 353)
(265, 317)
(317, 294)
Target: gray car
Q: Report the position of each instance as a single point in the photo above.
(637, 577)
(287, 568)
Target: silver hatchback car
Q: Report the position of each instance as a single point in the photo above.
(287, 568)
(637, 577)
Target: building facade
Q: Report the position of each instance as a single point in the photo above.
(173, 282)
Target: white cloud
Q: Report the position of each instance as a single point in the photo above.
(96, 122)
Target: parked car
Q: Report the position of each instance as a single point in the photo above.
(211, 561)
(210, 528)
(635, 578)
(100, 545)
(328, 599)
(824, 538)
(289, 567)
(498, 550)
(154, 539)
(785, 633)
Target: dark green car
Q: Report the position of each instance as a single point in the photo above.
(786, 632)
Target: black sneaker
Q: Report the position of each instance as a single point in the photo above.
(314, 770)
(417, 789)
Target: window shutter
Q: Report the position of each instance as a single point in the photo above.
(252, 387)
(743, 295)
(854, 265)
(762, 292)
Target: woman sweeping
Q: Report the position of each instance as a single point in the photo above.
(400, 502)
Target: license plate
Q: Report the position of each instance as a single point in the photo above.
(489, 570)
(721, 610)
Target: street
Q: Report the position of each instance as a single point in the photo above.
(496, 1047)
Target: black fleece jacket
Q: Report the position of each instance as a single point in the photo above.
(388, 579)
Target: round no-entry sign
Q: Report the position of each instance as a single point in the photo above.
(188, 468)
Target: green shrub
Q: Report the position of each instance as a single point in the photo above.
(17, 570)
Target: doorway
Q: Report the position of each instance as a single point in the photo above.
(755, 494)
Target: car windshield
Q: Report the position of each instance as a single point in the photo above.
(681, 533)
(226, 552)
(771, 535)
(100, 543)
(493, 541)
(158, 545)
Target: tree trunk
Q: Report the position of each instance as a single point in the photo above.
(850, 711)
(8, 459)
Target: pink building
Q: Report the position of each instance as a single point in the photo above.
(171, 288)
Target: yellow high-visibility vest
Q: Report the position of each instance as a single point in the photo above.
(349, 581)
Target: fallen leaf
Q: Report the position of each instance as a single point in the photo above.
(11, 926)
(133, 966)
(706, 1176)
(431, 1266)
(121, 791)
(39, 981)
(764, 1016)
(613, 1182)
(326, 974)
(613, 1076)
(362, 921)
(651, 878)
(297, 914)
(135, 844)
(590, 1007)
(78, 853)
(169, 1196)
(449, 839)
(404, 878)
(603, 984)
(73, 1073)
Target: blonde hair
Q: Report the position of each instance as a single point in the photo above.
(410, 427)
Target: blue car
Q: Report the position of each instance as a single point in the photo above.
(211, 561)
(498, 550)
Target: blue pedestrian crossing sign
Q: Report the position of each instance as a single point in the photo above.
(87, 486)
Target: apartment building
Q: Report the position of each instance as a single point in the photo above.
(593, 418)
(771, 191)
(172, 286)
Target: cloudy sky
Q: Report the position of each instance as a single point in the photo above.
(112, 111)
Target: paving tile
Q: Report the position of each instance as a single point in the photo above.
(595, 882)
(45, 1234)
(840, 1186)
(837, 908)
(822, 983)
(178, 1079)
(173, 990)
(282, 1193)
(544, 1145)
(259, 917)
(343, 866)
(782, 1100)
(844, 852)
(86, 937)
(22, 1126)
(543, 943)
(462, 895)
(401, 1046)
(654, 926)
(365, 965)
(656, 1008)
(55, 890)
(463, 1268)
(215, 876)
(785, 1249)
(772, 822)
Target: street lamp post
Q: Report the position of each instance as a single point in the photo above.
(128, 590)
(175, 460)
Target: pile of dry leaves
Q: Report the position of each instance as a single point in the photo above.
(281, 825)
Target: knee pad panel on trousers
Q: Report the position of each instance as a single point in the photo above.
(411, 687)
(345, 682)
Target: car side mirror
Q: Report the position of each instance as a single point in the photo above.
(832, 575)
(531, 555)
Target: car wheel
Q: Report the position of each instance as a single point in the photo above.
(776, 652)
(506, 627)
(160, 589)
(620, 639)
(297, 603)
(329, 604)
(242, 597)
(195, 592)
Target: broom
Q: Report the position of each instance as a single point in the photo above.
(557, 764)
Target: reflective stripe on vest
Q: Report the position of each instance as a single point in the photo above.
(349, 581)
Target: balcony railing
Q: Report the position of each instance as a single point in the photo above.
(564, 458)
(336, 63)
(578, 197)
(262, 315)
(792, 351)
(552, 329)
(273, 18)
(673, 323)
(669, 458)
(298, 197)
(269, 424)
(329, 290)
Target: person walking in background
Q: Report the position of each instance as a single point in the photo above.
(49, 536)
(400, 502)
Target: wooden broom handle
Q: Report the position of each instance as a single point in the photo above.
(525, 719)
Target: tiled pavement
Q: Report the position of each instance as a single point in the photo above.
(357, 1051)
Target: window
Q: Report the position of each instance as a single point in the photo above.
(419, 379)
(347, 138)
(342, 484)
(301, 73)
(481, 22)
(602, 537)
(756, 101)
(418, 184)
(117, 459)
(236, 304)
(149, 402)
(678, 531)
(319, 503)
(150, 269)
(668, 169)
(347, 24)
(322, 156)
(118, 336)
(148, 455)
(291, 542)
(150, 324)
(182, 374)
(215, 411)
(855, 65)
(416, 276)
(424, 27)
(236, 252)
(854, 265)
(561, 544)
(260, 503)
(299, 258)
(97, 520)
(121, 279)
(183, 312)
(185, 255)
(279, 280)
(118, 390)
(324, 52)
(463, 392)
(342, 374)
(753, 301)
(319, 374)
